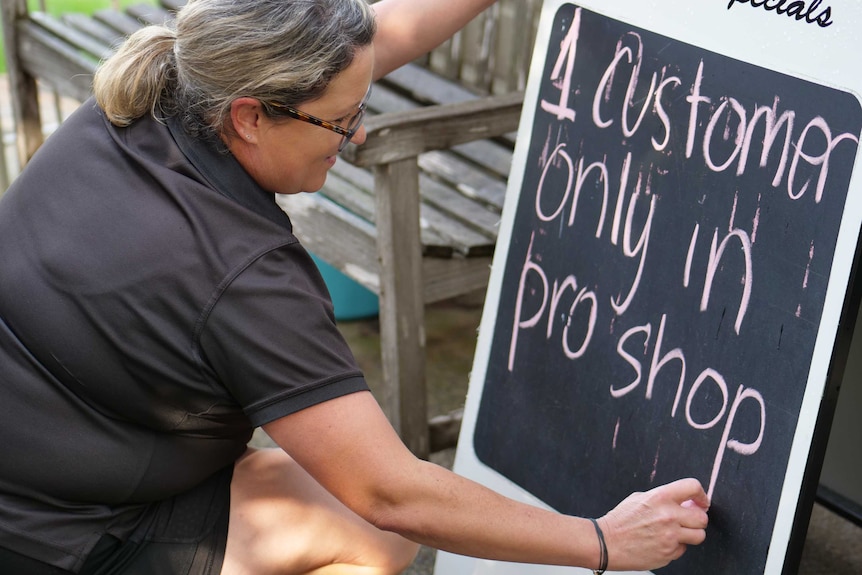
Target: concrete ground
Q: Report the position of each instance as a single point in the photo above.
(833, 545)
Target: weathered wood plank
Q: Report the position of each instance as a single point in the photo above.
(120, 21)
(349, 243)
(172, 5)
(457, 206)
(101, 32)
(477, 156)
(72, 35)
(475, 47)
(48, 58)
(423, 85)
(472, 183)
(402, 310)
(353, 188)
(401, 135)
(22, 84)
(488, 154)
(338, 236)
(389, 96)
(438, 238)
(150, 14)
(442, 232)
(491, 55)
(516, 32)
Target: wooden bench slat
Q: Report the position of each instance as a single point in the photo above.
(458, 207)
(451, 221)
(479, 202)
(150, 14)
(424, 86)
(100, 31)
(384, 98)
(441, 232)
(467, 225)
(459, 237)
(71, 35)
(388, 96)
(514, 44)
(343, 189)
(336, 235)
(351, 188)
(120, 21)
(172, 5)
(319, 222)
(471, 183)
(48, 58)
(401, 135)
(489, 155)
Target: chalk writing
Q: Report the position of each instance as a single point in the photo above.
(666, 272)
(794, 8)
(729, 112)
(567, 55)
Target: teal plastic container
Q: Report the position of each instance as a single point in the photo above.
(350, 299)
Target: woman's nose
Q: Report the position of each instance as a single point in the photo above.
(359, 137)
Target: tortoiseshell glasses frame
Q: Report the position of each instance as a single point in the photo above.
(353, 124)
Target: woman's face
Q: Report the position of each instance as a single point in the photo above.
(288, 156)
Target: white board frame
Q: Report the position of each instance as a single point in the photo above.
(762, 38)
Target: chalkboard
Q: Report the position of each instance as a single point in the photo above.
(679, 235)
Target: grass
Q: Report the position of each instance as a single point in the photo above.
(58, 7)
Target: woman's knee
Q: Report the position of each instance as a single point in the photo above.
(282, 519)
(401, 557)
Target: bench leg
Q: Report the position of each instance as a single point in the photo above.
(402, 306)
(22, 87)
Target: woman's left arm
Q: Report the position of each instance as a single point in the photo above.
(407, 29)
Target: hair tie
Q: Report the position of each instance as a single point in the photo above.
(603, 549)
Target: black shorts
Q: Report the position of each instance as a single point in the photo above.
(184, 535)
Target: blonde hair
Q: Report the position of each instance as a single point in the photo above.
(280, 51)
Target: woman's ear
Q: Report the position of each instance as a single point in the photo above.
(246, 115)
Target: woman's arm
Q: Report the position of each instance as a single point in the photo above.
(348, 446)
(407, 29)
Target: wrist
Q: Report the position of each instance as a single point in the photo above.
(603, 548)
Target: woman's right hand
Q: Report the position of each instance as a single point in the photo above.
(649, 530)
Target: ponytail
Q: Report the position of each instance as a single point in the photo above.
(216, 51)
(139, 77)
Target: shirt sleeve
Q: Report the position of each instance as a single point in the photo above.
(272, 340)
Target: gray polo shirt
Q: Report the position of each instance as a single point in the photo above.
(155, 306)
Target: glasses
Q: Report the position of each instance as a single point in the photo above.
(347, 133)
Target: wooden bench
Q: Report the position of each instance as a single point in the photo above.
(412, 214)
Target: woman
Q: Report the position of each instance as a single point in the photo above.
(155, 307)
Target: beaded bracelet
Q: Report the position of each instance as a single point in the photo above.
(603, 549)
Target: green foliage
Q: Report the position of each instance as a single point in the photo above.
(57, 7)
